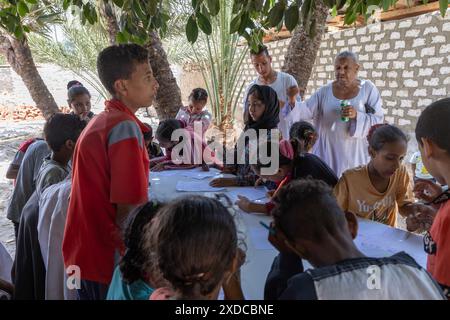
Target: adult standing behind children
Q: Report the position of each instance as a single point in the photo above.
(283, 83)
(110, 169)
(343, 127)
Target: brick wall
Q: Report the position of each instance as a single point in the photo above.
(408, 60)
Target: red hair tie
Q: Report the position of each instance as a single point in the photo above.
(373, 129)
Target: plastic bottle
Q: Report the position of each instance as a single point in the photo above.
(344, 103)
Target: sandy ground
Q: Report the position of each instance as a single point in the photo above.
(11, 135)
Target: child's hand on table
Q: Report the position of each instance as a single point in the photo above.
(259, 182)
(244, 203)
(421, 218)
(158, 167)
(222, 182)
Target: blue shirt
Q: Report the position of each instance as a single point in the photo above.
(120, 290)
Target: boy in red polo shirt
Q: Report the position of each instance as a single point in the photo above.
(110, 170)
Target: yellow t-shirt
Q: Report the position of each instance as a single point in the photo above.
(355, 193)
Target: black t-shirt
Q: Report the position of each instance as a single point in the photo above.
(311, 166)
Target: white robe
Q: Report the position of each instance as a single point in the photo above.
(6, 263)
(52, 220)
(343, 145)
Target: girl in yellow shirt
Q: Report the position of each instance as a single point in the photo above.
(380, 189)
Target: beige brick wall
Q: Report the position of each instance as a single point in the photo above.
(408, 60)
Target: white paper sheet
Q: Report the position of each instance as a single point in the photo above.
(378, 240)
(196, 186)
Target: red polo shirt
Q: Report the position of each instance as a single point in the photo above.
(437, 245)
(110, 166)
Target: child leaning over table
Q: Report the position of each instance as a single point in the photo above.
(381, 189)
(164, 133)
(308, 224)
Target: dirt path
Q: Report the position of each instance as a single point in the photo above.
(12, 134)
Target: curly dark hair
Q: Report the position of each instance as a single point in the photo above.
(132, 263)
(305, 133)
(199, 94)
(433, 124)
(62, 127)
(307, 209)
(193, 242)
(380, 134)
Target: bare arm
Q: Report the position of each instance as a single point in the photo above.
(246, 205)
(232, 288)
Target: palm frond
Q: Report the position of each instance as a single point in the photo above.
(221, 60)
(78, 52)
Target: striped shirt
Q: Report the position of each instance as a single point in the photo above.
(398, 277)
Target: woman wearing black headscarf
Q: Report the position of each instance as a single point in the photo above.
(262, 113)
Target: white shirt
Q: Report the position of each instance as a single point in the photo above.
(52, 219)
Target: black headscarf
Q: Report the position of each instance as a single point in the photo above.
(270, 117)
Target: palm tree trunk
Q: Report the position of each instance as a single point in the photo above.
(302, 50)
(168, 98)
(109, 20)
(19, 56)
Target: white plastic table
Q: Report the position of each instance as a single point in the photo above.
(374, 239)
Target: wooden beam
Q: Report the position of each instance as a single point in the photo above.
(409, 12)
